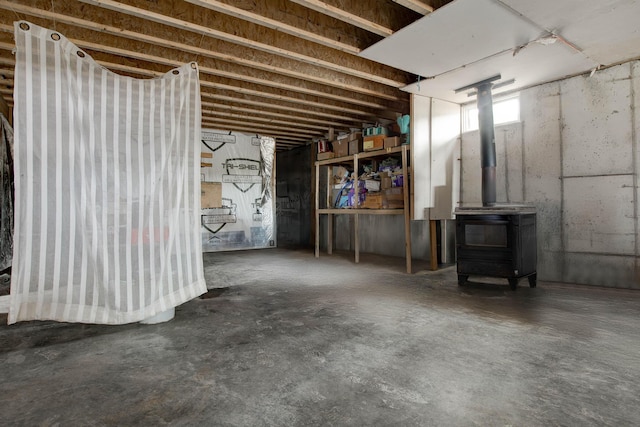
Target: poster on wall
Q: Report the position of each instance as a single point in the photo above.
(237, 187)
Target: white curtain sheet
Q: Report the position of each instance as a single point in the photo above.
(107, 187)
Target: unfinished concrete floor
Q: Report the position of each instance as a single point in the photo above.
(296, 340)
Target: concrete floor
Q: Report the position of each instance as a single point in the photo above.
(294, 340)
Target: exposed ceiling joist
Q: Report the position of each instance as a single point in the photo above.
(276, 25)
(342, 15)
(196, 50)
(275, 67)
(210, 32)
(323, 124)
(416, 5)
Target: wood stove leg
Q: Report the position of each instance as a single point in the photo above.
(532, 280)
(513, 283)
(462, 279)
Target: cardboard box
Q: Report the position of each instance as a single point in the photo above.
(392, 141)
(325, 156)
(394, 198)
(385, 181)
(210, 195)
(372, 143)
(376, 130)
(372, 185)
(373, 201)
(341, 148)
(355, 146)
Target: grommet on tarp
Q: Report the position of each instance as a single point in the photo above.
(55, 36)
(193, 65)
(176, 72)
(24, 26)
(80, 54)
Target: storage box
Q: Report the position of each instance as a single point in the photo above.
(323, 146)
(376, 130)
(372, 185)
(372, 143)
(210, 195)
(394, 198)
(355, 146)
(326, 156)
(385, 181)
(392, 141)
(341, 148)
(373, 201)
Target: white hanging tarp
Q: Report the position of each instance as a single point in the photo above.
(107, 187)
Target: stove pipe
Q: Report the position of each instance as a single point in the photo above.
(487, 144)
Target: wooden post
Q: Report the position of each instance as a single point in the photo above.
(356, 227)
(433, 246)
(407, 210)
(314, 208)
(317, 203)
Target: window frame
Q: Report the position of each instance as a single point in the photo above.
(470, 124)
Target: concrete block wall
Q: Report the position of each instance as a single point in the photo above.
(574, 155)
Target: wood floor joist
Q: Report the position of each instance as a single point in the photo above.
(342, 15)
(284, 68)
(210, 32)
(276, 25)
(196, 50)
(416, 5)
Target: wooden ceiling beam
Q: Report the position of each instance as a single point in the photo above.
(221, 73)
(337, 13)
(131, 35)
(266, 128)
(300, 120)
(213, 85)
(233, 126)
(275, 25)
(210, 32)
(279, 107)
(221, 112)
(416, 5)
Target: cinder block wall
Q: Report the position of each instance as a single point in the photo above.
(574, 155)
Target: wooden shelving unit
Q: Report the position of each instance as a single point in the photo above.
(356, 212)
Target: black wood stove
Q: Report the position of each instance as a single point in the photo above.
(494, 240)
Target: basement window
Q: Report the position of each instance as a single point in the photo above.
(505, 110)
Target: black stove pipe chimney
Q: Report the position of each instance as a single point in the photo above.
(487, 137)
(487, 144)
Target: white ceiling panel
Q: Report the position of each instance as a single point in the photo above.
(532, 65)
(460, 33)
(607, 31)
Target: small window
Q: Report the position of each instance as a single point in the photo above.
(505, 110)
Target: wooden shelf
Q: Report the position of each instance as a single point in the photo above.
(356, 212)
(364, 155)
(336, 211)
